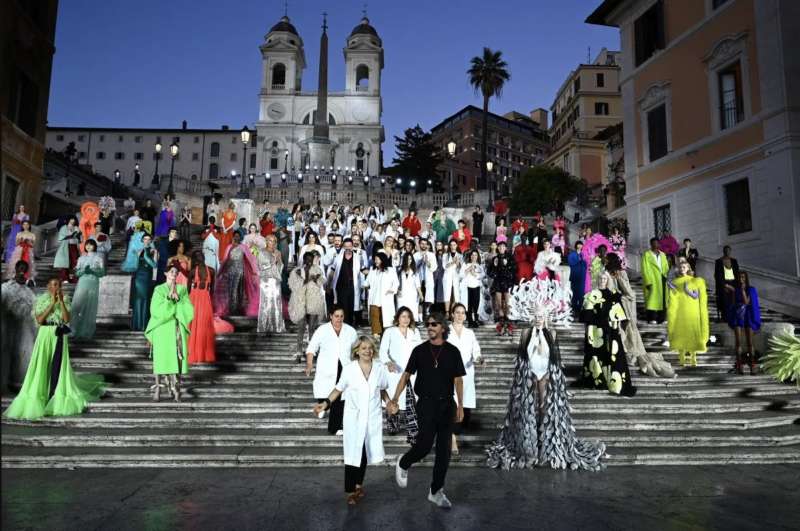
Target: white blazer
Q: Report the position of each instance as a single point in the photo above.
(363, 418)
(470, 350)
(332, 349)
(425, 274)
(451, 279)
(396, 348)
(382, 289)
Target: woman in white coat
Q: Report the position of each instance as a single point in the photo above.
(409, 290)
(426, 266)
(451, 278)
(333, 344)
(382, 283)
(396, 346)
(363, 387)
(466, 342)
(472, 278)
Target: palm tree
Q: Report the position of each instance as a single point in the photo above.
(487, 75)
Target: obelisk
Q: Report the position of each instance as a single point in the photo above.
(319, 146)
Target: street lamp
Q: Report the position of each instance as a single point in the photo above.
(136, 175)
(243, 192)
(156, 182)
(173, 151)
(267, 178)
(451, 151)
(489, 167)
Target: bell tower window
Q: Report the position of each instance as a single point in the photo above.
(279, 77)
(362, 78)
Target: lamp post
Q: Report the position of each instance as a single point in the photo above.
(156, 182)
(173, 151)
(243, 192)
(489, 168)
(451, 152)
(136, 175)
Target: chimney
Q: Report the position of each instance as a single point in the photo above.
(225, 128)
(539, 116)
(183, 125)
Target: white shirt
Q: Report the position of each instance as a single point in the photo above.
(363, 420)
(396, 348)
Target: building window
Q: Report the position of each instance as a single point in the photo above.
(233, 157)
(137, 139)
(10, 191)
(119, 155)
(362, 78)
(81, 138)
(81, 155)
(716, 3)
(59, 138)
(278, 76)
(176, 139)
(213, 170)
(504, 155)
(215, 149)
(273, 163)
(23, 103)
(662, 220)
(253, 140)
(657, 132)
(359, 164)
(195, 156)
(252, 161)
(100, 155)
(233, 139)
(565, 163)
(138, 156)
(600, 80)
(102, 138)
(601, 108)
(576, 85)
(197, 140)
(737, 207)
(120, 138)
(731, 108)
(649, 33)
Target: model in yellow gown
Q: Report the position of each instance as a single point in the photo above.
(687, 315)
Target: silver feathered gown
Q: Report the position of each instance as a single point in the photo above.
(522, 442)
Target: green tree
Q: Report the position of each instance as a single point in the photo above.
(416, 157)
(544, 189)
(487, 75)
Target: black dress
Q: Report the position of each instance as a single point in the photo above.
(503, 271)
(605, 365)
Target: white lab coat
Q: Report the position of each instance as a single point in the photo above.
(451, 279)
(408, 294)
(211, 251)
(333, 349)
(357, 276)
(363, 418)
(470, 350)
(425, 274)
(382, 288)
(395, 347)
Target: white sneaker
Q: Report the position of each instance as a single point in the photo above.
(665, 343)
(439, 499)
(340, 432)
(400, 475)
(653, 322)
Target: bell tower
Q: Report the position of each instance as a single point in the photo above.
(363, 55)
(283, 59)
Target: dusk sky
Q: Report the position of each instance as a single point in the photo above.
(152, 63)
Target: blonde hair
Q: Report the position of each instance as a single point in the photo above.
(360, 341)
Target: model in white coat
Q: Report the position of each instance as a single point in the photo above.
(472, 278)
(464, 339)
(410, 291)
(451, 279)
(362, 386)
(426, 266)
(333, 343)
(382, 283)
(396, 346)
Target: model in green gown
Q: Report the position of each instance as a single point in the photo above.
(142, 285)
(84, 303)
(50, 387)
(171, 313)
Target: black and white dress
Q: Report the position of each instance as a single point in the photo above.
(527, 440)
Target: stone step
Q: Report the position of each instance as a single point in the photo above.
(194, 457)
(163, 437)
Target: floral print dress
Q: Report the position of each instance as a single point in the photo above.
(605, 365)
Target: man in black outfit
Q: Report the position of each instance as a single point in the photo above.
(477, 223)
(439, 369)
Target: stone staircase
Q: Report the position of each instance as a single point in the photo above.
(253, 409)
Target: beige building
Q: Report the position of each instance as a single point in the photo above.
(711, 90)
(28, 36)
(587, 103)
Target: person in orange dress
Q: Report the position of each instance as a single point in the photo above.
(228, 224)
(90, 214)
(202, 335)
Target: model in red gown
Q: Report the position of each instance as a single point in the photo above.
(201, 331)
(522, 256)
(225, 237)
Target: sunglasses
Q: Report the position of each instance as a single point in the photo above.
(432, 323)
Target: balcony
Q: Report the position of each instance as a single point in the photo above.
(282, 86)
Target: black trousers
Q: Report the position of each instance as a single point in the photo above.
(435, 418)
(336, 412)
(55, 368)
(354, 475)
(658, 315)
(473, 301)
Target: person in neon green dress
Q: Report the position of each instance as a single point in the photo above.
(50, 387)
(89, 269)
(687, 315)
(171, 313)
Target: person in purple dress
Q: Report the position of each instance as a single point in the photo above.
(16, 225)
(166, 220)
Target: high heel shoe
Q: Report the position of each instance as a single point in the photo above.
(738, 366)
(753, 367)
(175, 389)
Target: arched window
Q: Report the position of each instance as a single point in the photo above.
(279, 76)
(213, 170)
(273, 159)
(362, 78)
(215, 149)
